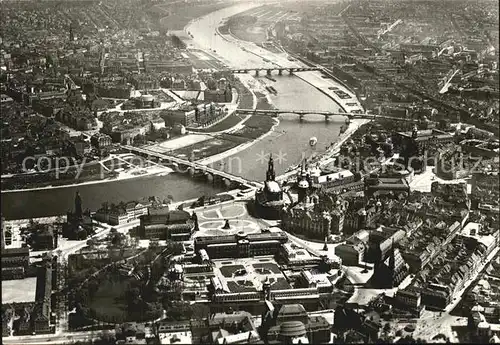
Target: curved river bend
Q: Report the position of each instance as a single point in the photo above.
(291, 137)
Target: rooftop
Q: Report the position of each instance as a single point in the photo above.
(12, 293)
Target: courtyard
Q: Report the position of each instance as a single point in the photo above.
(249, 274)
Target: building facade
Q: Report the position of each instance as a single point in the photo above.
(241, 245)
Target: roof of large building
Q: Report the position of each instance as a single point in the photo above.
(291, 309)
(23, 251)
(265, 236)
(273, 186)
(169, 217)
(292, 329)
(335, 176)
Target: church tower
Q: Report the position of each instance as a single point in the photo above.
(78, 206)
(270, 174)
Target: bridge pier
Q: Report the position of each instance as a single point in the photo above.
(210, 178)
(268, 72)
(291, 70)
(256, 72)
(301, 117)
(327, 118)
(280, 72)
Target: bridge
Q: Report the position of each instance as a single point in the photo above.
(326, 114)
(194, 167)
(269, 70)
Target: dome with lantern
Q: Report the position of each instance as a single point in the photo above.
(303, 184)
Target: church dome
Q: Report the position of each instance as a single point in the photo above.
(292, 329)
(303, 184)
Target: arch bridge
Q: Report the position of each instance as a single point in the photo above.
(269, 70)
(326, 114)
(195, 169)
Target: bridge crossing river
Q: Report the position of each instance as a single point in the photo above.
(326, 114)
(196, 167)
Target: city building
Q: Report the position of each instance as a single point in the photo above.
(15, 263)
(175, 225)
(318, 216)
(42, 311)
(122, 213)
(352, 252)
(414, 143)
(44, 237)
(290, 324)
(485, 190)
(240, 245)
(375, 185)
(130, 332)
(221, 95)
(101, 141)
(236, 327)
(409, 299)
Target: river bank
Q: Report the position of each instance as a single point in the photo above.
(134, 173)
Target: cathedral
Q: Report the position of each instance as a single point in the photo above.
(79, 223)
(269, 200)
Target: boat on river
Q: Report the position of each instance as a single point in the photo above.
(272, 90)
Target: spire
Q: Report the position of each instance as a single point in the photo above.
(78, 205)
(270, 175)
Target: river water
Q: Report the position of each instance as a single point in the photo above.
(288, 143)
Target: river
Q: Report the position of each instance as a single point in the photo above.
(291, 138)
